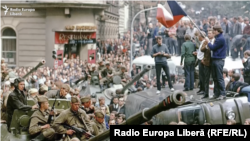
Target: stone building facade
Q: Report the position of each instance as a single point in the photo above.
(31, 31)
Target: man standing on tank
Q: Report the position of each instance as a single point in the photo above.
(161, 53)
(218, 49)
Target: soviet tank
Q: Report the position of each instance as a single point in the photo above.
(118, 89)
(146, 105)
(172, 101)
(20, 120)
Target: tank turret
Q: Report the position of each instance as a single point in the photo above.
(136, 78)
(172, 101)
(34, 69)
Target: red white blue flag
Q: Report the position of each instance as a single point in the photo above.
(169, 14)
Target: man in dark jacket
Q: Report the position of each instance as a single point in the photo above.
(236, 29)
(246, 64)
(239, 87)
(121, 106)
(187, 50)
(238, 44)
(17, 100)
(181, 31)
(206, 63)
(218, 60)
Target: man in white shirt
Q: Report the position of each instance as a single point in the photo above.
(200, 56)
(191, 30)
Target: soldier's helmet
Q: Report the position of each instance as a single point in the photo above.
(107, 63)
(93, 66)
(100, 61)
(123, 67)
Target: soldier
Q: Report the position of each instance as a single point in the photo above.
(87, 106)
(109, 72)
(118, 66)
(39, 119)
(73, 116)
(93, 69)
(17, 100)
(32, 94)
(100, 68)
(123, 75)
(43, 90)
(98, 124)
(61, 94)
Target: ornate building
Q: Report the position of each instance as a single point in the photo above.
(108, 22)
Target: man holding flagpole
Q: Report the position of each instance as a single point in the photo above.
(218, 49)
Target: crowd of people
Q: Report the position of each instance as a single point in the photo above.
(206, 49)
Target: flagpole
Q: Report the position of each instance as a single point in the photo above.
(131, 34)
(196, 26)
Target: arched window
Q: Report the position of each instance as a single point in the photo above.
(9, 46)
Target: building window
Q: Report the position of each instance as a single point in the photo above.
(9, 46)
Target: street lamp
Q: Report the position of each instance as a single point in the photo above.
(131, 33)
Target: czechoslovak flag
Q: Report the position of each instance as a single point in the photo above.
(170, 14)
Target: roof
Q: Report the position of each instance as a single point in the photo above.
(148, 60)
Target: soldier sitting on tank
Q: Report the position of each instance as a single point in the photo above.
(43, 90)
(100, 68)
(109, 72)
(123, 75)
(118, 66)
(17, 100)
(87, 106)
(74, 116)
(32, 94)
(60, 94)
(39, 119)
(98, 124)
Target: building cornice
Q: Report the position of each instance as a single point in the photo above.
(56, 5)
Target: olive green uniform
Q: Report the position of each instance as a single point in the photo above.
(109, 71)
(98, 128)
(4, 105)
(123, 75)
(100, 68)
(39, 119)
(79, 120)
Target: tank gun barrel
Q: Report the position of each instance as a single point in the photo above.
(174, 100)
(136, 78)
(34, 69)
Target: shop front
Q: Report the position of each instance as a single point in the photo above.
(75, 43)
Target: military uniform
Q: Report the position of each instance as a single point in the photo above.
(31, 91)
(100, 68)
(123, 75)
(78, 119)
(88, 111)
(106, 71)
(40, 118)
(98, 128)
